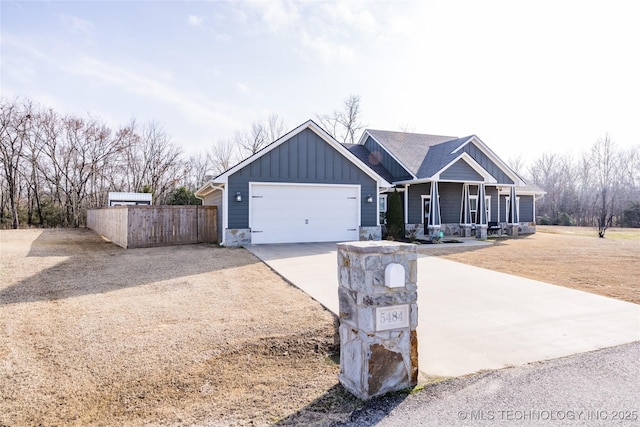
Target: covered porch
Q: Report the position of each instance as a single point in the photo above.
(437, 209)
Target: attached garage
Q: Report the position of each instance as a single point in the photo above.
(303, 187)
(286, 213)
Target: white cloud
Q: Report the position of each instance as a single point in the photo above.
(278, 15)
(195, 20)
(141, 83)
(78, 25)
(242, 88)
(328, 50)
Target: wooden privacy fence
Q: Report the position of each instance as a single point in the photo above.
(143, 226)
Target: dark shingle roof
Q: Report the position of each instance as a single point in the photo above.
(361, 152)
(422, 154)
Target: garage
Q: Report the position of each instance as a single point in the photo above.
(286, 213)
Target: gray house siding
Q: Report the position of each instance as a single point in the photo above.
(487, 164)
(305, 158)
(399, 173)
(215, 199)
(415, 202)
(461, 171)
(526, 209)
(450, 199)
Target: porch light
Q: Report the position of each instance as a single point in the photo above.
(369, 198)
(238, 197)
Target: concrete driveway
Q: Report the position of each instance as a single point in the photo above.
(472, 319)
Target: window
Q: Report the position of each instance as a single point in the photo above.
(382, 208)
(507, 203)
(473, 207)
(426, 208)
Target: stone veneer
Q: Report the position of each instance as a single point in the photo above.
(237, 237)
(370, 233)
(457, 230)
(375, 361)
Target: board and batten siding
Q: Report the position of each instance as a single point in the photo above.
(487, 164)
(526, 209)
(451, 201)
(461, 171)
(395, 169)
(305, 158)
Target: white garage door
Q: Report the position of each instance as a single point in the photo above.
(303, 213)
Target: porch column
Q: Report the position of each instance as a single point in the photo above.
(512, 216)
(435, 222)
(481, 228)
(465, 213)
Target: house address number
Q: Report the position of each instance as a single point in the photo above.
(393, 317)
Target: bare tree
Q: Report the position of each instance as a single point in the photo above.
(517, 164)
(197, 170)
(274, 128)
(150, 161)
(15, 123)
(344, 124)
(606, 168)
(222, 156)
(253, 140)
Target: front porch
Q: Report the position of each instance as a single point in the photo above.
(438, 209)
(417, 231)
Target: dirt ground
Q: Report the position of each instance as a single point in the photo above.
(92, 334)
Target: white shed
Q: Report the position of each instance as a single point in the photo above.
(126, 199)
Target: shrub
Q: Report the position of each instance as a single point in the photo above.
(395, 218)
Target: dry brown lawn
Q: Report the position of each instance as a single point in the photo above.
(568, 256)
(92, 334)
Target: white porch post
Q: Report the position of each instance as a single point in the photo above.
(465, 212)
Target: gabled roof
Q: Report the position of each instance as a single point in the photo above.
(409, 149)
(313, 126)
(427, 156)
(361, 152)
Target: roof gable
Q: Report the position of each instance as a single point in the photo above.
(427, 157)
(408, 149)
(311, 125)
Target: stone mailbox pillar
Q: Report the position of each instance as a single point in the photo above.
(378, 317)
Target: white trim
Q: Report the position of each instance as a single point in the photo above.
(406, 204)
(424, 197)
(363, 140)
(487, 201)
(379, 198)
(488, 178)
(493, 157)
(309, 124)
(507, 200)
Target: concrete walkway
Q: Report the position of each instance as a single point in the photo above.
(472, 319)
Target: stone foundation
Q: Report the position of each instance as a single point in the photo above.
(370, 233)
(234, 237)
(527, 228)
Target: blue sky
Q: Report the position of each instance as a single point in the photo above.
(525, 76)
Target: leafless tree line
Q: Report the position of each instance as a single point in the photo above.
(55, 167)
(599, 187)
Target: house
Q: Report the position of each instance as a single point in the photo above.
(307, 187)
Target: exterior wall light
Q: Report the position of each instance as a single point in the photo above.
(369, 198)
(238, 197)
